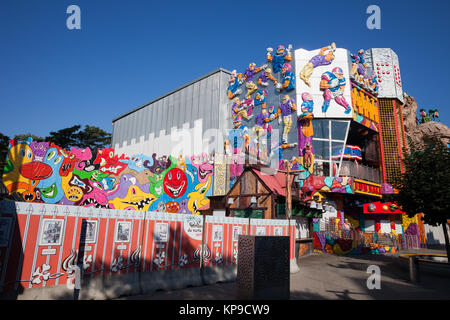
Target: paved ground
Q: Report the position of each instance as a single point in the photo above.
(324, 276)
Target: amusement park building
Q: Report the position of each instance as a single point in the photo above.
(334, 115)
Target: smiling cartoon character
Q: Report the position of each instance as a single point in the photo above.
(175, 183)
(197, 199)
(135, 199)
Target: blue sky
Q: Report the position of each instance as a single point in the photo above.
(130, 52)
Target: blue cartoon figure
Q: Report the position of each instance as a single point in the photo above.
(233, 84)
(50, 188)
(288, 80)
(281, 56)
(332, 84)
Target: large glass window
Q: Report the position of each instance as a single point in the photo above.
(321, 129)
(329, 143)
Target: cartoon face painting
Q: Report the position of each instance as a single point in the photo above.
(175, 183)
(50, 188)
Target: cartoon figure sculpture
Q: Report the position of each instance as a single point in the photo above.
(262, 125)
(306, 133)
(325, 57)
(260, 99)
(251, 71)
(265, 77)
(288, 80)
(424, 117)
(373, 83)
(333, 84)
(286, 107)
(436, 115)
(233, 84)
(281, 56)
(358, 63)
(251, 88)
(239, 112)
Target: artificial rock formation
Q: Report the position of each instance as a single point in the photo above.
(415, 133)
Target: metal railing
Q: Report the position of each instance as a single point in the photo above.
(359, 171)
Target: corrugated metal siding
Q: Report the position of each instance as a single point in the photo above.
(202, 103)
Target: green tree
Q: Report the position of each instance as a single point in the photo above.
(65, 138)
(94, 138)
(25, 136)
(4, 144)
(424, 185)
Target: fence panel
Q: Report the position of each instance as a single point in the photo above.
(172, 241)
(221, 238)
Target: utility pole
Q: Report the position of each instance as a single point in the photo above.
(288, 173)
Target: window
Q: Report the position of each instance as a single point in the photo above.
(329, 143)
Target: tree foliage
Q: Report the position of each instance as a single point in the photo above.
(424, 185)
(91, 136)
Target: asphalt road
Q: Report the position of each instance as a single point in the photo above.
(331, 277)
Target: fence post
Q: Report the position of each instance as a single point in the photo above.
(414, 269)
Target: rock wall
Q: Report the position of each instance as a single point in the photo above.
(416, 132)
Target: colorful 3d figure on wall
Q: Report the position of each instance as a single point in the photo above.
(262, 125)
(305, 128)
(288, 80)
(286, 107)
(281, 56)
(251, 71)
(239, 112)
(333, 84)
(265, 77)
(251, 88)
(233, 84)
(325, 57)
(260, 98)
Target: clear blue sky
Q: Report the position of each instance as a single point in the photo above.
(130, 52)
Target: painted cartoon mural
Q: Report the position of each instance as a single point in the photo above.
(44, 172)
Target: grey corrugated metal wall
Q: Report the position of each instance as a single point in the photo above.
(195, 107)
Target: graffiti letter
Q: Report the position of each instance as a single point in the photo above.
(373, 282)
(73, 21)
(374, 21)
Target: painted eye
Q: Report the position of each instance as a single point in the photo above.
(57, 160)
(111, 154)
(29, 155)
(178, 176)
(22, 153)
(170, 176)
(51, 155)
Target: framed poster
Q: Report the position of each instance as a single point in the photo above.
(123, 231)
(260, 231)
(278, 231)
(5, 229)
(51, 232)
(89, 235)
(237, 230)
(217, 232)
(161, 233)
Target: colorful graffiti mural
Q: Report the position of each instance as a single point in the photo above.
(44, 172)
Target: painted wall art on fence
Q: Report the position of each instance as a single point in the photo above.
(44, 172)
